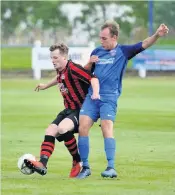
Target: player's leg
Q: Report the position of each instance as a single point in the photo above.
(67, 133)
(65, 129)
(88, 114)
(83, 144)
(107, 115)
(47, 147)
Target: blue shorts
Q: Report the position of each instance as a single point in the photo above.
(105, 108)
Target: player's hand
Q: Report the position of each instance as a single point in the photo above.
(162, 30)
(95, 96)
(40, 87)
(93, 59)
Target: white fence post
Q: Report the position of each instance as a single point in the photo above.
(35, 65)
(142, 72)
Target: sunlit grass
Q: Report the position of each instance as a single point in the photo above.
(144, 130)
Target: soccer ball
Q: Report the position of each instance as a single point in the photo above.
(21, 165)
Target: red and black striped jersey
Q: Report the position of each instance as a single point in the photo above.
(73, 83)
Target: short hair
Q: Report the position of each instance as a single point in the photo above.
(113, 27)
(61, 47)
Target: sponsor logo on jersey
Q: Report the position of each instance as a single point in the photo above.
(62, 76)
(106, 61)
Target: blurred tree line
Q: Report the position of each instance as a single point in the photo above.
(22, 22)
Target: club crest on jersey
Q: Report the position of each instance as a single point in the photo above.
(62, 88)
(113, 52)
(62, 76)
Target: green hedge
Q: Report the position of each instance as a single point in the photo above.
(16, 58)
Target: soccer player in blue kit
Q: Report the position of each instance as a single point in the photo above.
(108, 62)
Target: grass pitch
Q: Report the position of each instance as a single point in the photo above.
(144, 129)
(16, 58)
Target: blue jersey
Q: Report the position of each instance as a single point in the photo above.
(111, 66)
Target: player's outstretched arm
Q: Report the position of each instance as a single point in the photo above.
(92, 60)
(160, 32)
(43, 86)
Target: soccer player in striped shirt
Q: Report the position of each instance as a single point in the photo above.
(73, 82)
(110, 63)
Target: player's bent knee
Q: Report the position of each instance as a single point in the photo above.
(52, 130)
(65, 126)
(62, 130)
(83, 131)
(63, 137)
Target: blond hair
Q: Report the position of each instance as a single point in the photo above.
(112, 26)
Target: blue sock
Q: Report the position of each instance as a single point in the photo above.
(110, 147)
(83, 146)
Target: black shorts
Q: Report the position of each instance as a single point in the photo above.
(71, 114)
